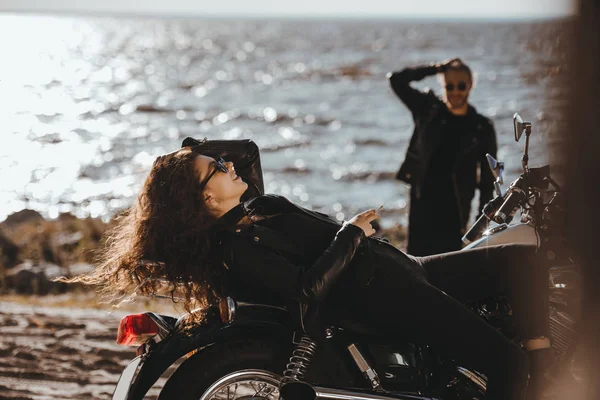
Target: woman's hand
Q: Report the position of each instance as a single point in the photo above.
(363, 221)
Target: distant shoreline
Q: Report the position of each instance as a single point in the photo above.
(282, 17)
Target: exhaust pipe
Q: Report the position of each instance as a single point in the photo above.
(303, 391)
(337, 394)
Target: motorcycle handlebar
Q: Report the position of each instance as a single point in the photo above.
(503, 214)
(478, 227)
(482, 222)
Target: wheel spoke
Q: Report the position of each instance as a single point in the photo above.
(245, 385)
(261, 387)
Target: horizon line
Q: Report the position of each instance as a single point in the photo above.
(288, 16)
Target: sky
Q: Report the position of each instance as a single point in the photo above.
(342, 8)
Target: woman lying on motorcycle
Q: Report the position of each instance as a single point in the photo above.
(189, 217)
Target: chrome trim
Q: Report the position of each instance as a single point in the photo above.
(501, 216)
(231, 309)
(246, 304)
(358, 358)
(478, 380)
(187, 315)
(246, 374)
(495, 229)
(321, 392)
(337, 394)
(127, 376)
(518, 190)
(518, 233)
(300, 360)
(364, 367)
(164, 329)
(162, 324)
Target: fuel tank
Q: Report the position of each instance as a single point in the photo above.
(520, 233)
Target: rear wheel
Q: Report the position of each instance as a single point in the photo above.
(244, 384)
(230, 371)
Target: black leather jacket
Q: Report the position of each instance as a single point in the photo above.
(429, 114)
(314, 256)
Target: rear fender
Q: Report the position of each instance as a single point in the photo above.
(250, 321)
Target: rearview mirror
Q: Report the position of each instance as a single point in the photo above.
(496, 167)
(520, 126)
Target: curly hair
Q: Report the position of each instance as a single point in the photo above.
(163, 239)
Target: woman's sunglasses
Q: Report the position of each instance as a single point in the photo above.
(219, 166)
(462, 86)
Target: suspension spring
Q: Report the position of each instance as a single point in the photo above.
(300, 360)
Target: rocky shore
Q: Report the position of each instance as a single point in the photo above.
(34, 250)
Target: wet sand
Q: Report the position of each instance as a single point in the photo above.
(59, 353)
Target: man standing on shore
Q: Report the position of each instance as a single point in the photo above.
(445, 161)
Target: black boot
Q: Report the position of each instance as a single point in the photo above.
(541, 363)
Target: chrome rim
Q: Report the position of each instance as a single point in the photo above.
(245, 384)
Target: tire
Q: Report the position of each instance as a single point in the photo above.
(259, 360)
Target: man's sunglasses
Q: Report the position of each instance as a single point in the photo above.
(462, 86)
(219, 166)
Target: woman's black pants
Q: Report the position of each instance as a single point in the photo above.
(431, 310)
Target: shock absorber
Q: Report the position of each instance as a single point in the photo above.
(292, 385)
(300, 360)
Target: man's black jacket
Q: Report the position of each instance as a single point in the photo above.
(429, 115)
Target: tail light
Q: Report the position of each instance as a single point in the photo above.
(136, 329)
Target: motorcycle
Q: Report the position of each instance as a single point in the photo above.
(539, 200)
(244, 350)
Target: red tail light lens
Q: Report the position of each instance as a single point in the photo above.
(136, 329)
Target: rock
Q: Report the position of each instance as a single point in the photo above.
(67, 216)
(67, 238)
(353, 71)
(9, 252)
(27, 278)
(25, 215)
(51, 271)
